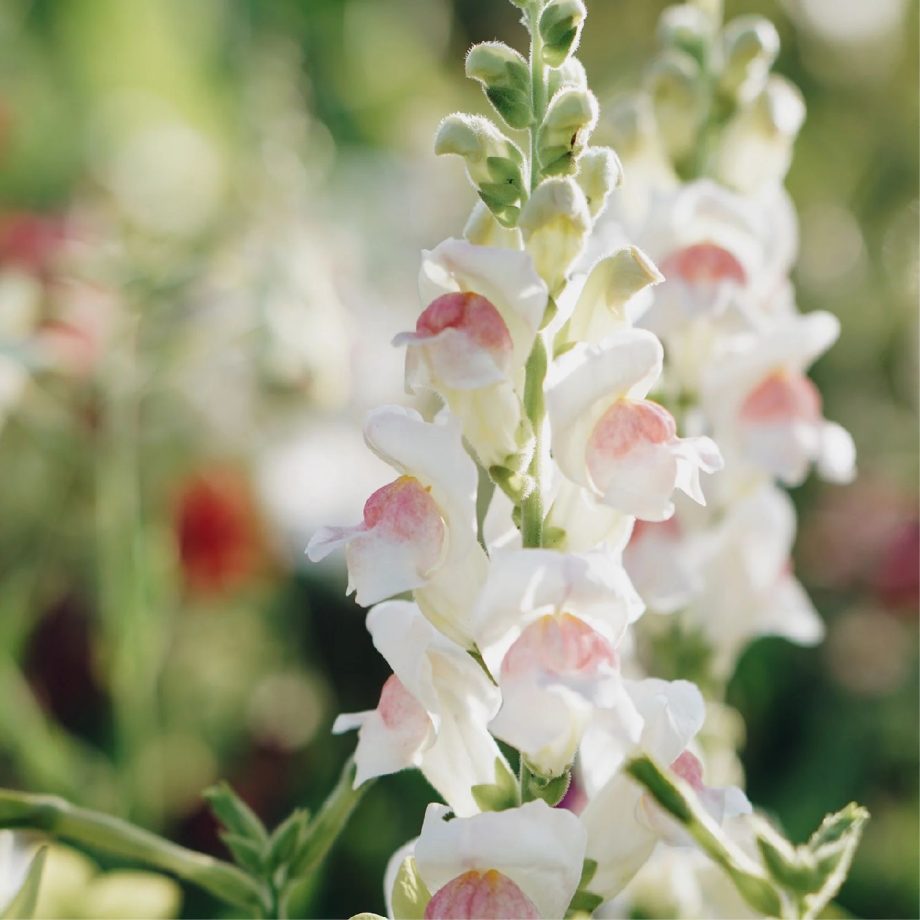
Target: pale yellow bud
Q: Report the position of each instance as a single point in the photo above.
(555, 223)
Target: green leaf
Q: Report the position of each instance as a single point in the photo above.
(248, 853)
(410, 896)
(22, 907)
(501, 794)
(287, 836)
(234, 813)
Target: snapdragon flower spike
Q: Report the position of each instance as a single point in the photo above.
(548, 626)
(610, 440)
(623, 822)
(523, 862)
(484, 306)
(765, 409)
(419, 531)
(743, 563)
(432, 713)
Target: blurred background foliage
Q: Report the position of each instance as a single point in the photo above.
(210, 218)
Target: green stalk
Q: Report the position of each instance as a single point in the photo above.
(130, 649)
(532, 510)
(112, 835)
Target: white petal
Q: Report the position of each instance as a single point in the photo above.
(450, 359)
(616, 839)
(837, 457)
(541, 849)
(673, 712)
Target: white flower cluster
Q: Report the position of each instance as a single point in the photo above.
(542, 335)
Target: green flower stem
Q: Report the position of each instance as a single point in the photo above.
(128, 624)
(749, 879)
(112, 835)
(532, 510)
(47, 753)
(328, 823)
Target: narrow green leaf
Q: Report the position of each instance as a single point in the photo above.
(234, 813)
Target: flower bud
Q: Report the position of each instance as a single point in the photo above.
(686, 28)
(555, 222)
(599, 172)
(570, 75)
(600, 308)
(483, 229)
(560, 29)
(751, 45)
(570, 119)
(756, 147)
(505, 79)
(492, 161)
(673, 82)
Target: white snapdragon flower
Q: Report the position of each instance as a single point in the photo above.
(470, 344)
(608, 438)
(524, 863)
(432, 713)
(623, 822)
(767, 413)
(747, 585)
(661, 559)
(418, 532)
(549, 625)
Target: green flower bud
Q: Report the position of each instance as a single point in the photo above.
(555, 223)
(505, 79)
(570, 119)
(560, 29)
(751, 44)
(493, 162)
(686, 28)
(756, 146)
(599, 172)
(571, 75)
(674, 84)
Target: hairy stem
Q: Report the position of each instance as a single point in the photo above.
(532, 510)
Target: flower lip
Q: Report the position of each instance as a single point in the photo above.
(477, 895)
(399, 709)
(782, 395)
(404, 510)
(470, 313)
(626, 426)
(704, 263)
(559, 644)
(688, 767)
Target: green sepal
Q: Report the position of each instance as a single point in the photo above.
(551, 789)
(517, 486)
(22, 906)
(553, 537)
(248, 853)
(410, 895)
(500, 795)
